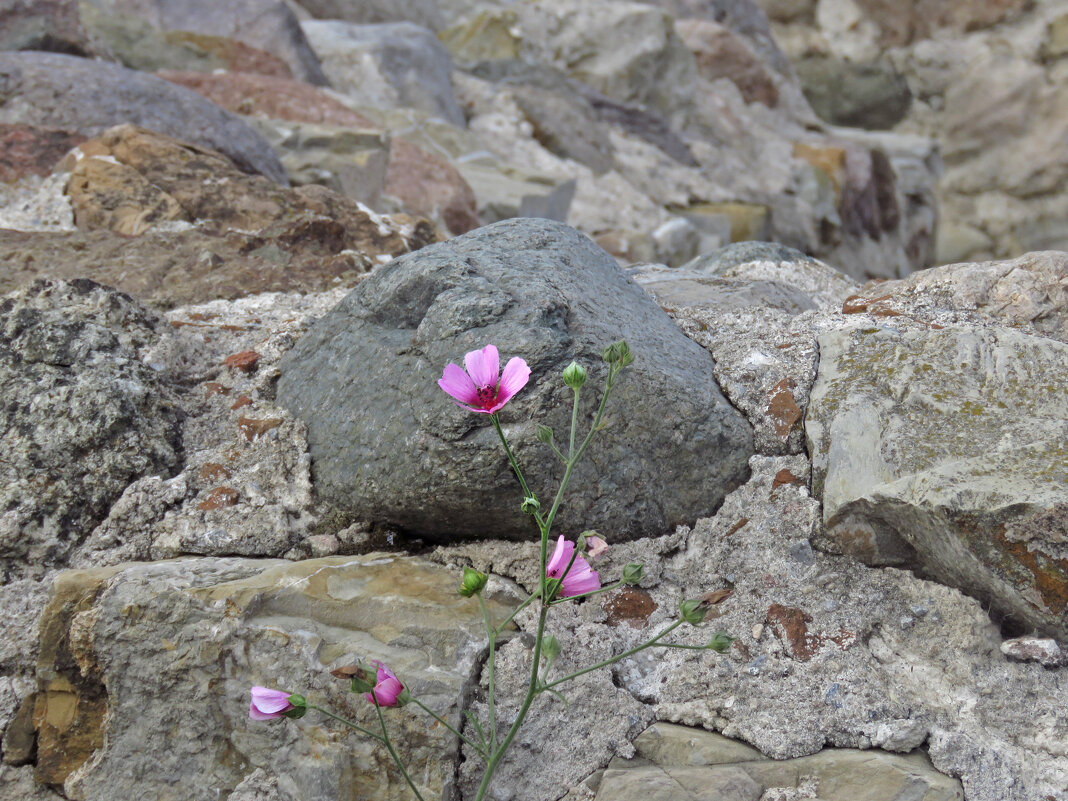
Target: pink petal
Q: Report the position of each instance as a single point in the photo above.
(515, 377)
(458, 384)
(268, 701)
(580, 579)
(388, 692)
(596, 547)
(255, 714)
(484, 366)
(560, 558)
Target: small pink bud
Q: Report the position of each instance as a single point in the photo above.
(596, 547)
(268, 704)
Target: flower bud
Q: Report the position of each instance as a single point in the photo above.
(550, 648)
(297, 700)
(363, 677)
(720, 642)
(693, 611)
(595, 545)
(575, 375)
(530, 505)
(296, 712)
(632, 573)
(472, 582)
(545, 434)
(618, 353)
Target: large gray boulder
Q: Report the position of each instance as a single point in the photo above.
(78, 94)
(388, 445)
(945, 450)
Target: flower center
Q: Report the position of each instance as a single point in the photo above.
(486, 395)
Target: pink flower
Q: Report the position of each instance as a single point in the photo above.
(596, 547)
(581, 578)
(388, 687)
(483, 388)
(268, 703)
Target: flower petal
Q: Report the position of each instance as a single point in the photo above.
(561, 557)
(484, 366)
(458, 384)
(596, 547)
(269, 701)
(388, 691)
(515, 377)
(255, 714)
(581, 578)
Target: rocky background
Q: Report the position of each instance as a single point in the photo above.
(240, 240)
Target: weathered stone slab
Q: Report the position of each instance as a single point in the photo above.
(947, 450)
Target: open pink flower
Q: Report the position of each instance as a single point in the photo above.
(387, 689)
(580, 578)
(268, 703)
(483, 388)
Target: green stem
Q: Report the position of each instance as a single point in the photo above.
(614, 659)
(574, 425)
(515, 465)
(491, 700)
(515, 612)
(348, 723)
(444, 723)
(393, 752)
(532, 691)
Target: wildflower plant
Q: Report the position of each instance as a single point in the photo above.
(565, 576)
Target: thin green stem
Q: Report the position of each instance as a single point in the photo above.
(530, 599)
(393, 752)
(614, 659)
(444, 723)
(574, 425)
(491, 699)
(348, 723)
(515, 465)
(607, 588)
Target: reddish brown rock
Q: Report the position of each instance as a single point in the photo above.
(791, 626)
(252, 429)
(784, 476)
(245, 361)
(220, 498)
(215, 388)
(213, 471)
(430, 186)
(236, 56)
(32, 150)
(721, 54)
(782, 408)
(269, 98)
(903, 21)
(630, 605)
(241, 403)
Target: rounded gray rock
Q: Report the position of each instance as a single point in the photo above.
(79, 94)
(387, 444)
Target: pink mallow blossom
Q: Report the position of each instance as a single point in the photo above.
(483, 388)
(268, 704)
(596, 547)
(581, 578)
(387, 689)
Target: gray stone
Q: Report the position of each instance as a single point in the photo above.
(542, 291)
(82, 416)
(677, 288)
(167, 652)
(945, 450)
(388, 65)
(503, 191)
(427, 13)
(91, 96)
(769, 261)
(1043, 650)
(864, 95)
(268, 25)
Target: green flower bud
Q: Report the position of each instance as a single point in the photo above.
(472, 582)
(298, 700)
(618, 353)
(575, 375)
(720, 642)
(632, 573)
(404, 698)
(693, 611)
(530, 505)
(550, 648)
(545, 434)
(297, 711)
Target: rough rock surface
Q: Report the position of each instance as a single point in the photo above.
(945, 450)
(268, 25)
(52, 25)
(677, 762)
(387, 65)
(161, 692)
(536, 289)
(32, 150)
(95, 96)
(83, 417)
